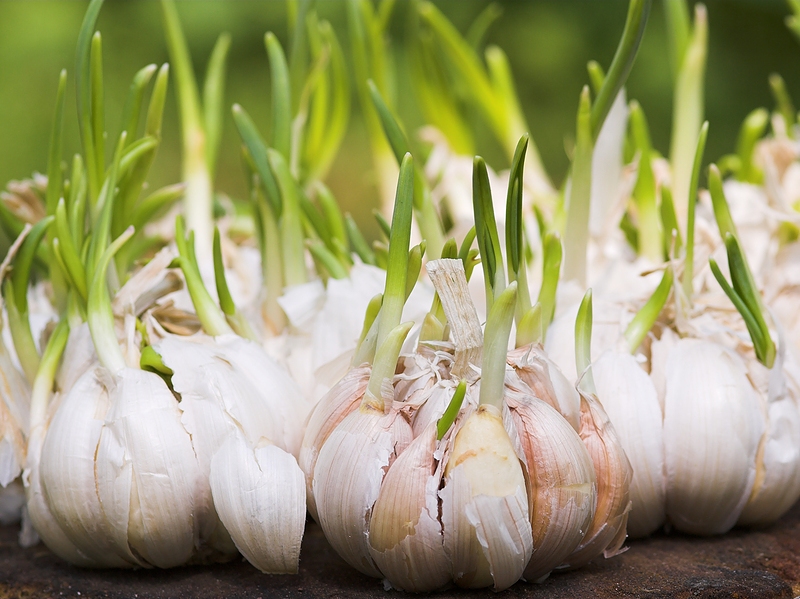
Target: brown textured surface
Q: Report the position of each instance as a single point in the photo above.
(744, 565)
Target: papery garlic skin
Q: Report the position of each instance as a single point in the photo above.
(545, 379)
(37, 504)
(487, 532)
(562, 489)
(148, 478)
(14, 418)
(348, 476)
(341, 400)
(712, 429)
(613, 472)
(777, 483)
(405, 534)
(259, 494)
(631, 402)
(67, 479)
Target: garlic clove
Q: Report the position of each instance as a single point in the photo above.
(487, 532)
(777, 483)
(348, 476)
(405, 534)
(562, 491)
(547, 382)
(712, 429)
(630, 400)
(38, 509)
(66, 469)
(613, 472)
(148, 477)
(341, 400)
(259, 494)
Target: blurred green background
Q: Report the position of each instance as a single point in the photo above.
(548, 42)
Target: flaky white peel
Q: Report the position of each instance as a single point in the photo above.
(147, 473)
(344, 397)
(348, 476)
(405, 534)
(487, 532)
(613, 472)
(562, 490)
(66, 472)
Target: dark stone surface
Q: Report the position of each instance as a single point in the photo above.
(760, 564)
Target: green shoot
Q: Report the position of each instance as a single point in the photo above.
(583, 344)
(650, 239)
(688, 268)
(721, 211)
(486, 231)
(646, 317)
(99, 314)
(495, 346)
(783, 103)
(551, 268)
(578, 204)
(621, 64)
(394, 295)
(211, 317)
(453, 408)
(687, 115)
(747, 300)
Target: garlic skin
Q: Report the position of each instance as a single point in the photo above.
(545, 379)
(562, 489)
(487, 533)
(777, 483)
(259, 494)
(37, 503)
(631, 402)
(405, 535)
(613, 471)
(67, 479)
(147, 476)
(341, 400)
(348, 476)
(712, 429)
(14, 418)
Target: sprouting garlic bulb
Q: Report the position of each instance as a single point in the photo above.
(487, 531)
(244, 414)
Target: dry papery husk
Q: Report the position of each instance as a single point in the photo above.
(325, 322)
